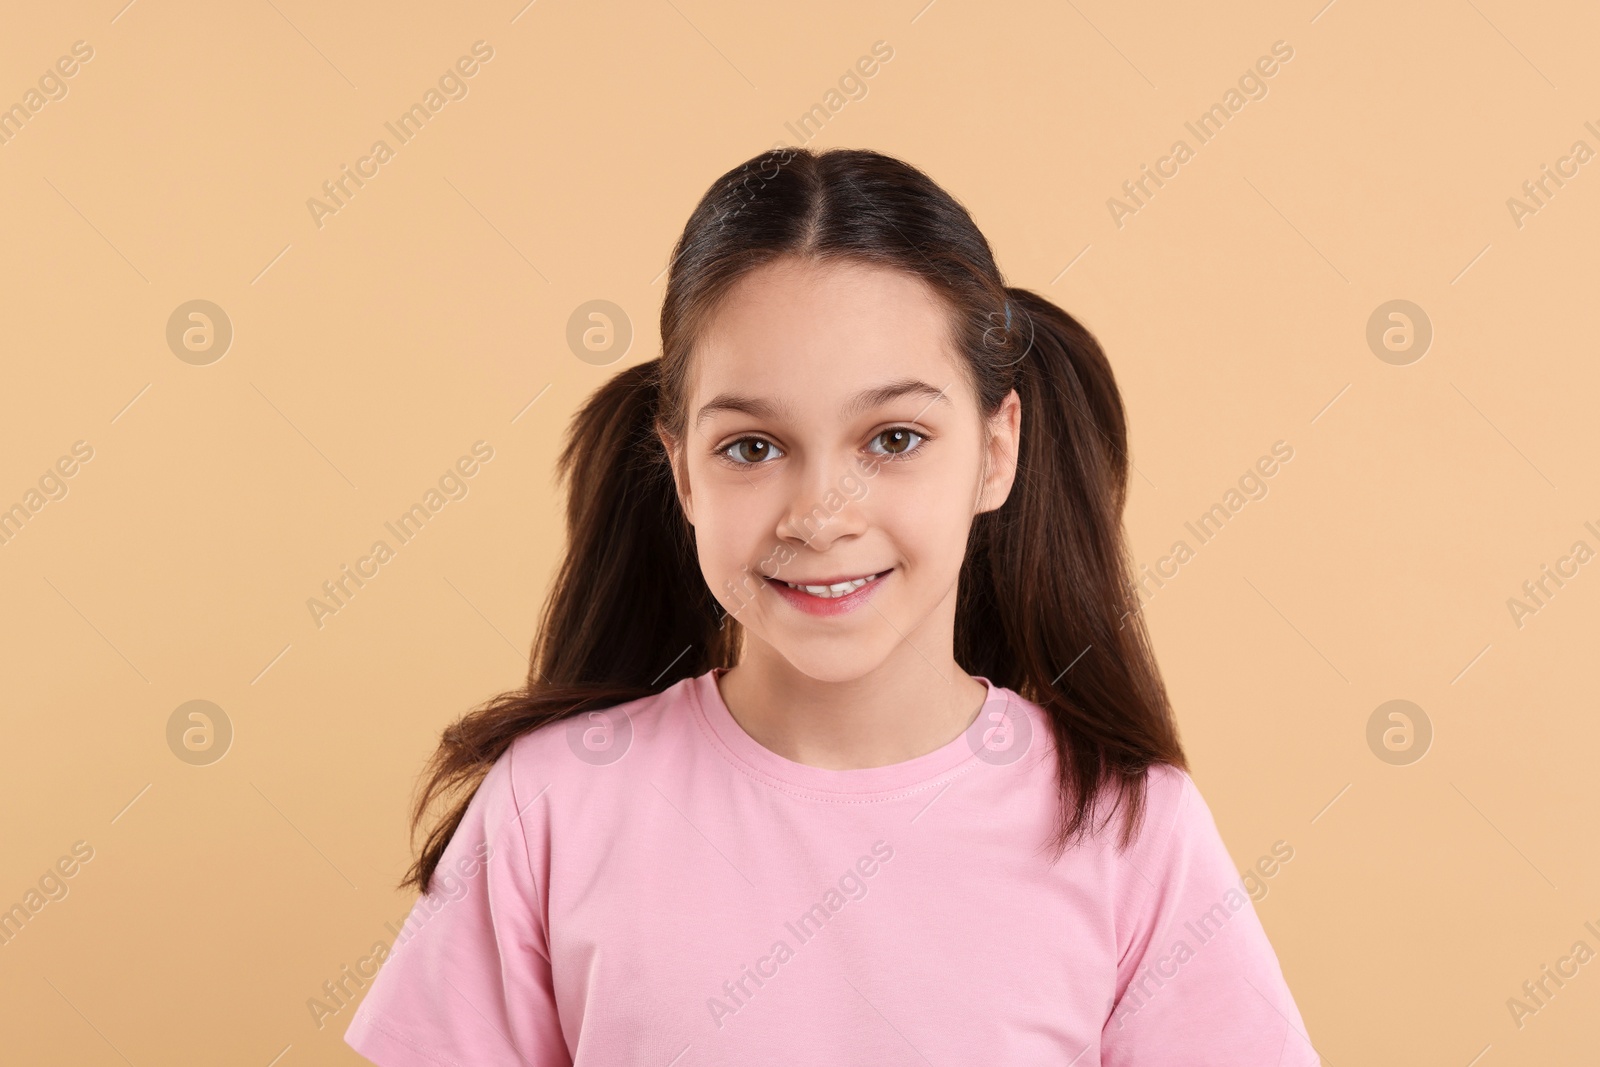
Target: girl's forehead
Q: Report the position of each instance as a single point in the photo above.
(825, 331)
(835, 287)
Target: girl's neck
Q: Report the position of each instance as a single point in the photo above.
(905, 708)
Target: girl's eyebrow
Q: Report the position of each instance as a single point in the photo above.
(865, 400)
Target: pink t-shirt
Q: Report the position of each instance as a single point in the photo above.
(649, 885)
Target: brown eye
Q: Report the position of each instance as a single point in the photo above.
(749, 451)
(898, 440)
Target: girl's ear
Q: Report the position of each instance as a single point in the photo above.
(1000, 456)
(680, 473)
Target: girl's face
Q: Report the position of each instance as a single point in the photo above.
(832, 437)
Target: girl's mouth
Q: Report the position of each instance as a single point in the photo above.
(829, 597)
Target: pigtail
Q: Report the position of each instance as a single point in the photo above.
(627, 598)
(1047, 604)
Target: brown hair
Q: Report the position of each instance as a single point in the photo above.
(1045, 605)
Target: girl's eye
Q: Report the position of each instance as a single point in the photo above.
(749, 451)
(897, 440)
(752, 451)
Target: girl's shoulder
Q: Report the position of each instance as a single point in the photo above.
(1171, 797)
(1169, 790)
(1172, 808)
(1177, 836)
(594, 746)
(583, 769)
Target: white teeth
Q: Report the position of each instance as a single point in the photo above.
(829, 592)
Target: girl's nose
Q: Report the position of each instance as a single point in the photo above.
(820, 511)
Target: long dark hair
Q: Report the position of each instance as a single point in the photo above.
(1046, 605)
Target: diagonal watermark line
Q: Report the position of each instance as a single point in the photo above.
(95, 628)
(485, 618)
(129, 404)
(130, 803)
(1295, 628)
(307, 440)
(714, 48)
(314, 48)
(268, 267)
(518, 814)
(497, 230)
(1503, 437)
(1514, 48)
(1468, 267)
(1329, 404)
(1296, 229)
(1068, 267)
(519, 14)
(668, 667)
(119, 14)
(1287, 1023)
(1475, 659)
(509, 1043)
(702, 834)
(1107, 40)
(929, 804)
(530, 403)
(1329, 804)
(268, 667)
(886, 1021)
(304, 838)
(86, 1019)
(907, 640)
(96, 229)
(1073, 664)
(1503, 837)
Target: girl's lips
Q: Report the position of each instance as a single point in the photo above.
(828, 606)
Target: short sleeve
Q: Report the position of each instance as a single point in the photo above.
(467, 980)
(1199, 983)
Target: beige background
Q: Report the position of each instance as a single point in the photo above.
(432, 309)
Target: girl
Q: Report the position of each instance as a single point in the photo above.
(844, 742)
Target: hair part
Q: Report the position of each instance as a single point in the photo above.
(1046, 604)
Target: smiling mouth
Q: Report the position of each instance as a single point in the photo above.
(832, 590)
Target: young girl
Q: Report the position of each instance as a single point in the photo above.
(844, 743)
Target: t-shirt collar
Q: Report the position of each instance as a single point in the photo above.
(856, 784)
